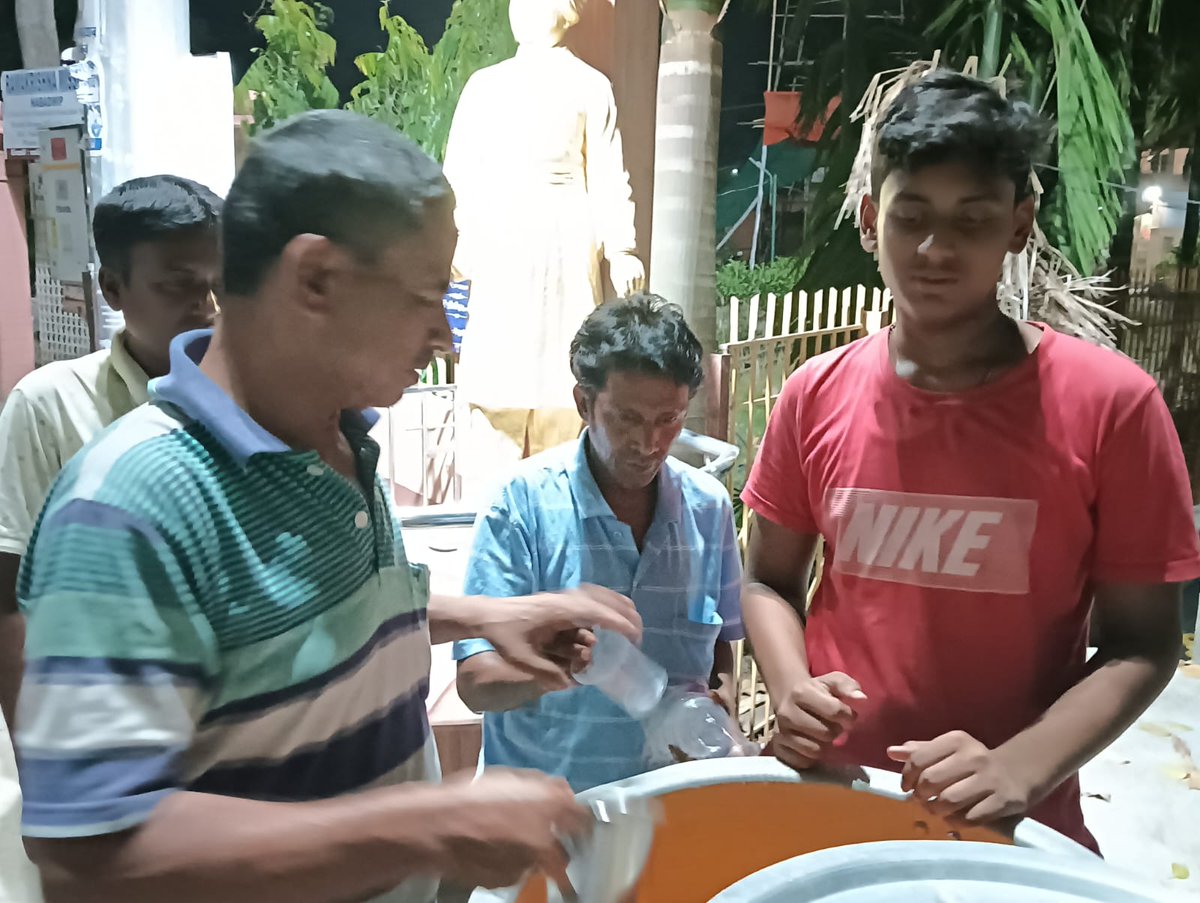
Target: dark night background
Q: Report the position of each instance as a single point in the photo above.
(226, 25)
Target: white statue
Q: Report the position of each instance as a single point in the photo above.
(535, 160)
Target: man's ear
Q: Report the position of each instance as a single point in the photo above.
(1024, 217)
(583, 404)
(310, 267)
(868, 224)
(111, 286)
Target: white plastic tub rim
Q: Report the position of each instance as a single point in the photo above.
(768, 769)
(943, 872)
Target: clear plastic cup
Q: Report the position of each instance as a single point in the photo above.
(625, 674)
(606, 867)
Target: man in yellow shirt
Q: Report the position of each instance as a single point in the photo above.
(159, 265)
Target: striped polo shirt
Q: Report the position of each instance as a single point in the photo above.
(551, 529)
(212, 610)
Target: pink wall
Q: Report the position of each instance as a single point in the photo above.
(16, 315)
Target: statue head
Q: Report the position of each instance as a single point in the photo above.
(542, 22)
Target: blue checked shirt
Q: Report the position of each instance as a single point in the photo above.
(551, 529)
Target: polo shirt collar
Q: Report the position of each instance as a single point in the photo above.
(198, 397)
(128, 370)
(591, 502)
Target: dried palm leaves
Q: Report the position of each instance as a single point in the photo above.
(1039, 283)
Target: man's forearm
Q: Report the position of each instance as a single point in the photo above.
(776, 633)
(197, 848)
(487, 683)
(12, 662)
(1086, 719)
(12, 637)
(454, 618)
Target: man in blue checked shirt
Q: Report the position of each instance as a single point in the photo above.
(611, 509)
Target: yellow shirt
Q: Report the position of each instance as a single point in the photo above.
(49, 416)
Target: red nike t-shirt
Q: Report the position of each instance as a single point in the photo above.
(964, 531)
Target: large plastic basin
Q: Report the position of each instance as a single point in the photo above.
(726, 819)
(912, 872)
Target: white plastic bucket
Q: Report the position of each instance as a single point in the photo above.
(725, 819)
(916, 872)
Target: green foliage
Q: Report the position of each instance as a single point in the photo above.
(1072, 59)
(288, 75)
(1076, 69)
(416, 90)
(735, 279)
(833, 257)
(406, 85)
(397, 88)
(1095, 139)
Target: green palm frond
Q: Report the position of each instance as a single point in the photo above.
(1095, 138)
(1060, 70)
(1156, 10)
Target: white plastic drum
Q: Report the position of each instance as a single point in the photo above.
(725, 819)
(916, 872)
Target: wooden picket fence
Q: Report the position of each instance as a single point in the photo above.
(1165, 342)
(771, 315)
(769, 337)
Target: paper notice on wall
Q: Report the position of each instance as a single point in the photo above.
(36, 99)
(63, 203)
(86, 75)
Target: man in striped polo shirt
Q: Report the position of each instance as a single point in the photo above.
(610, 508)
(228, 650)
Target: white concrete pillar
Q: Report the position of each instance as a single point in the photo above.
(164, 110)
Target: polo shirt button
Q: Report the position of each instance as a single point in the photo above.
(362, 520)
(315, 470)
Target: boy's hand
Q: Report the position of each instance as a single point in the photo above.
(957, 777)
(814, 714)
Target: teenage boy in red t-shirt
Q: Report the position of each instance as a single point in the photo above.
(984, 487)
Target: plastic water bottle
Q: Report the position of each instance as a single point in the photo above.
(625, 674)
(689, 725)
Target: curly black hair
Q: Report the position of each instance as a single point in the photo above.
(643, 333)
(951, 117)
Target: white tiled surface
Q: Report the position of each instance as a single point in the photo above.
(1150, 819)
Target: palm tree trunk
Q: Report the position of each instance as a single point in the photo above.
(37, 33)
(683, 245)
